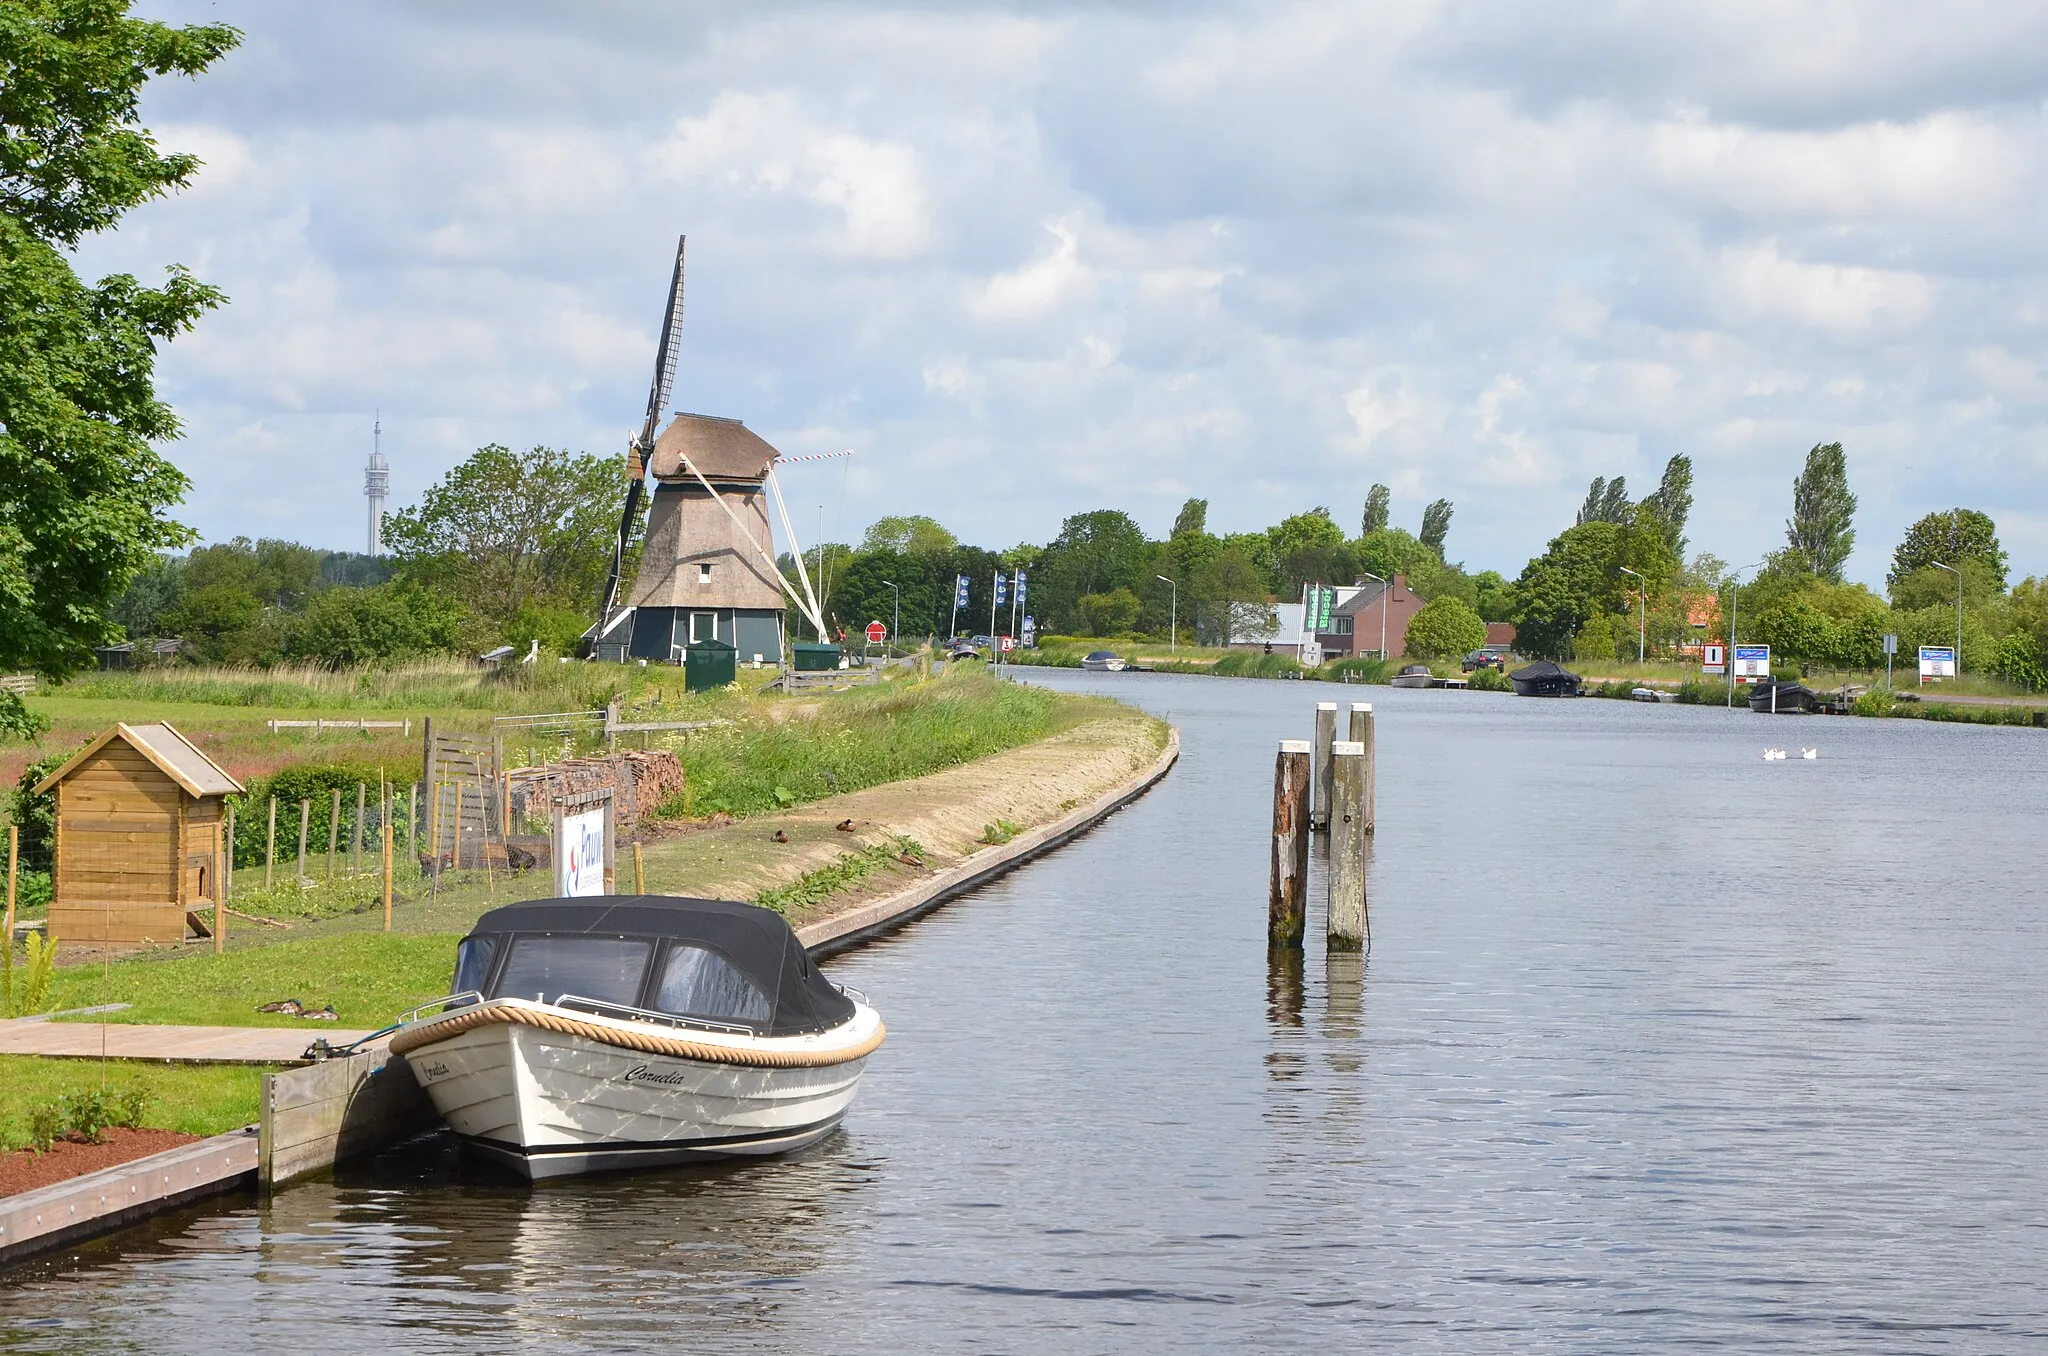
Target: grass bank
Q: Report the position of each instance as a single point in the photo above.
(194, 1100)
(368, 977)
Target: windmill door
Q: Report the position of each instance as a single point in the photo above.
(703, 626)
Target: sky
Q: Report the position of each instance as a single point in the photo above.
(1033, 259)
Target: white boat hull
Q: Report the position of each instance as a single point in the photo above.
(1103, 666)
(1412, 680)
(552, 1103)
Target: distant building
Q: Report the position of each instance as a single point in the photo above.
(1284, 634)
(1500, 637)
(1355, 623)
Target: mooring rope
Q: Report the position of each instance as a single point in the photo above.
(441, 1028)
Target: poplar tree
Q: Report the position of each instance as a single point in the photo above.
(1823, 511)
(84, 494)
(1671, 502)
(1436, 525)
(1377, 502)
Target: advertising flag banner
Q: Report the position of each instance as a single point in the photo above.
(960, 590)
(1020, 588)
(1002, 590)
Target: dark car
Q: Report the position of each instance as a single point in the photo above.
(1480, 659)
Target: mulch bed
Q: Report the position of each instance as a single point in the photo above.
(25, 1169)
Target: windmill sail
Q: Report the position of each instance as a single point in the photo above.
(643, 445)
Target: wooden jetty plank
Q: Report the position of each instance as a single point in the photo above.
(168, 1044)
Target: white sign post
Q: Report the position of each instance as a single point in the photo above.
(1752, 662)
(583, 846)
(1937, 661)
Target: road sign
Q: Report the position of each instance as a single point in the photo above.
(1891, 642)
(877, 633)
(1713, 659)
(1030, 630)
(1005, 644)
(1752, 662)
(1937, 661)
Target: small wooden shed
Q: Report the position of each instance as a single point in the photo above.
(140, 815)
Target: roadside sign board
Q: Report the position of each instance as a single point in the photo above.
(1937, 661)
(877, 633)
(1752, 661)
(1891, 642)
(1030, 630)
(579, 855)
(1005, 644)
(1713, 659)
(1311, 654)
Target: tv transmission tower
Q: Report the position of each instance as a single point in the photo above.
(377, 485)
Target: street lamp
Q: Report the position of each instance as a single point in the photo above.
(1959, 612)
(1172, 615)
(1385, 589)
(1642, 611)
(896, 626)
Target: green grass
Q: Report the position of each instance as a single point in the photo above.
(817, 887)
(442, 685)
(194, 1099)
(369, 977)
(863, 738)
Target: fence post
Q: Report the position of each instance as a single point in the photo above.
(1287, 904)
(270, 845)
(356, 835)
(305, 820)
(227, 885)
(13, 857)
(639, 870)
(387, 865)
(1361, 733)
(333, 832)
(1326, 734)
(1348, 928)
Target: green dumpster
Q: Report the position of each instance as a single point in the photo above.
(708, 664)
(816, 658)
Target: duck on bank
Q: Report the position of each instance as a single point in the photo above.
(635, 1031)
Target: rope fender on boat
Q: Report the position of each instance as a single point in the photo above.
(442, 1028)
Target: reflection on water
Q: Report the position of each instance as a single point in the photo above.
(1640, 1060)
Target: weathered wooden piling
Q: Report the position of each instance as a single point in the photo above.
(1326, 734)
(1287, 902)
(1361, 733)
(1348, 928)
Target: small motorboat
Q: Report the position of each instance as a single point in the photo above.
(1414, 675)
(635, 1031)
(1545, 679)
(1103, 661)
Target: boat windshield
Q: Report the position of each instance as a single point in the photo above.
(473, 963)
(700, 983)
(605, 968)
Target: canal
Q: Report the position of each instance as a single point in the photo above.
(1659, 1046)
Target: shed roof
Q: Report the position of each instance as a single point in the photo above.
(173, 755)
(722, 449)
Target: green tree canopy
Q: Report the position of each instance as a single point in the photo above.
(1445, 627)
(1193, 517)
(507, 527)
(1110, 614)
(1578, 578)
(1379, 502)
(1821, 528)
(908, 534)
(1436, 525)
(1391, 551)
(84, 495)
(1951, 537)
(1606, 502)
(359, 626)
(1671, 502)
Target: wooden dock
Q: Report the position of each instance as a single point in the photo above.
(168, 1044)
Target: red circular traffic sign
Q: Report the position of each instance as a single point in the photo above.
(877, 632)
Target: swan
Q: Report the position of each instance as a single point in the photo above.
(1809, 754)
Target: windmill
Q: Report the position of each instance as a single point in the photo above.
(707, 566)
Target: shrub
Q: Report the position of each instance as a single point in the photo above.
(1489, 679)
(1110, 614)
(1876, 702)
(1699, 692)
(46, 1123)
(29, 993)
(2018, 660)
(1445, 629)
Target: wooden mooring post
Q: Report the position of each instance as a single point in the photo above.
(1349, 929)
(1361, 733)
(1326, 734)
(1287, 902)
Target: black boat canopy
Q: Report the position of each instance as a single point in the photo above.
(706, 958)
(1541, 670)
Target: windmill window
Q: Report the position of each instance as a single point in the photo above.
(703, 576)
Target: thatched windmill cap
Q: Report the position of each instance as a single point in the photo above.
(722, 450)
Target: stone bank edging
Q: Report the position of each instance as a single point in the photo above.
(848, 929)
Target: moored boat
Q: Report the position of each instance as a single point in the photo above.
(1413, 675)
(1545, 679)
(1103, 661)
(636, 1031)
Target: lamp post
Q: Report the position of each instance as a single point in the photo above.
(1642, 611)
(1385, 589)
(1959, 612)
(1172, 615)
(1734, 610)
(896, 625)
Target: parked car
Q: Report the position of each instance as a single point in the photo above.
(1482, 659)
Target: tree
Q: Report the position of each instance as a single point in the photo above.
(1192, 518)
(1444, 628)
(213, 621)
(359, 626)
(1235, 592)
(1671, 502)
(908, 534)
(1110, 614)
(1391, 551)
(1378, 500)
(1578, 578)
(1096, 552)
(1823, 511)
(1436, 525)
(1951, 537)
(1496, 596)
(1606, 502)
(506, 527)
(84, 495)
(1310, 548)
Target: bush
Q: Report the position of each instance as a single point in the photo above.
(1490, 679)
(1700, 692)
(316, 782)
(35, 815)
(28, 994)
(2018, 660)
(1110, 614)
(391, 621)
(1879, 701)
(1445, 629)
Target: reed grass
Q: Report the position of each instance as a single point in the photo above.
(435, 685)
